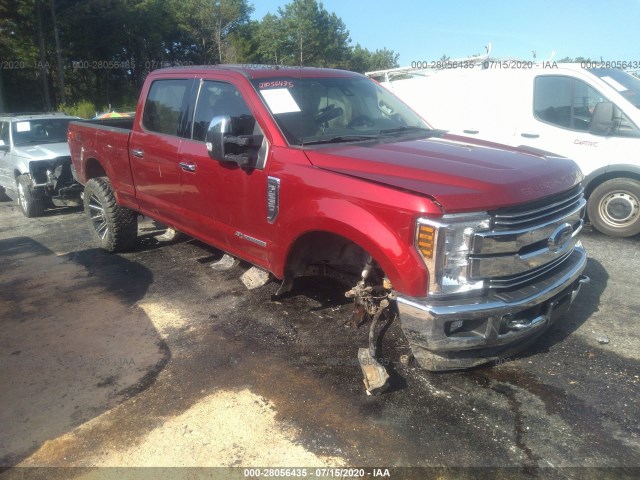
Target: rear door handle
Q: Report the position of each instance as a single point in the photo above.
(529, 135)
(188, 167)
(137, 153)
(472, 132)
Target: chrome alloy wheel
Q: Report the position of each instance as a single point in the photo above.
(98, 219)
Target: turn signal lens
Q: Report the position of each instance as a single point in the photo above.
(426, 240)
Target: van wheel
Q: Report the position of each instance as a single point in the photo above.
(614, 207)
(29, 204)
(114, 227)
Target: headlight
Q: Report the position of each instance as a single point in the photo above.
(444, 245)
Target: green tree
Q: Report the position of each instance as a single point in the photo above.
(244, 44)
(363, 60)
(209, 23)
(272, 40)
(321, 38)
(100, 51)
(307, 34)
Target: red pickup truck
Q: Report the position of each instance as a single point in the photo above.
(314, 171)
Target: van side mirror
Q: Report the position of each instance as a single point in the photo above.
(224, 144)
(602, 119)
(4, 147)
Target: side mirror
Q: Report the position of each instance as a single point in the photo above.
(3, 147)
(218, 128)
(225, 145)
(602, 119)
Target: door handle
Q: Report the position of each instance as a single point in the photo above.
(188, 167)
(529, 135)
(473, 132)
(137, 153)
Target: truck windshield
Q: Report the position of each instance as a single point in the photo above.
(34, 131)
(627, 85)
(330, 109)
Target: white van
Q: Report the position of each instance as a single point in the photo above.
(590, 115)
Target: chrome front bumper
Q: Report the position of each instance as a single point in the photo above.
(448, 335)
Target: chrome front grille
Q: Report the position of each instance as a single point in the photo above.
(538, 212)
(522, 278)
(527, 242)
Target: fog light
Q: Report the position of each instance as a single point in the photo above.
(456, 325)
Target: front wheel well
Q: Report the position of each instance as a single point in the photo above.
(327, 254)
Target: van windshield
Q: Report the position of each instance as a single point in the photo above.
(627, 85)
(331, 109)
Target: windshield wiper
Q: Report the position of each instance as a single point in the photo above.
(342, 138)
(402, 130)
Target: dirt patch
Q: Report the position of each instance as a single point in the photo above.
(225, 429)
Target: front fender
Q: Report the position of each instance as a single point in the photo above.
(388, 240)
(19, 165)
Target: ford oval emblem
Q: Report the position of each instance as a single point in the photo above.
(559, 237)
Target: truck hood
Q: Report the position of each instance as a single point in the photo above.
(46, 151)
(460, 175)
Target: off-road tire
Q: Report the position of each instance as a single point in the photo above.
(614, 207)
(30, 204)
(114, 227)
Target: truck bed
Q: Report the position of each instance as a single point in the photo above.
(104, 143)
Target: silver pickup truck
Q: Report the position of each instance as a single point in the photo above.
(35, 163)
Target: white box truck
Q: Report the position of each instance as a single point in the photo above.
(591, 115)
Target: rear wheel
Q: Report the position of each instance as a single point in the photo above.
(614, 207)
(114, 227)
(30, 205)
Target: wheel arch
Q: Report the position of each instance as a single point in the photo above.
(93, 168)
(395, 258)
(601, 175)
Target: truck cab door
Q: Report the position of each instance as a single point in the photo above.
(154, 147)
(224, 202)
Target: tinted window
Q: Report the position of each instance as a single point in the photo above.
(165, 108)
(569, 103)
(219, 98)
(564, 101)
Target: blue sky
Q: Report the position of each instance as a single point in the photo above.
(425, 30)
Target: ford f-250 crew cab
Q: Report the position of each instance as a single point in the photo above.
(312, 171)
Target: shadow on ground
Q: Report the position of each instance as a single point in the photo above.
(65, 355)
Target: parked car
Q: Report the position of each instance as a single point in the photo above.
(590, 115)
(305, 171)
(34, 161)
